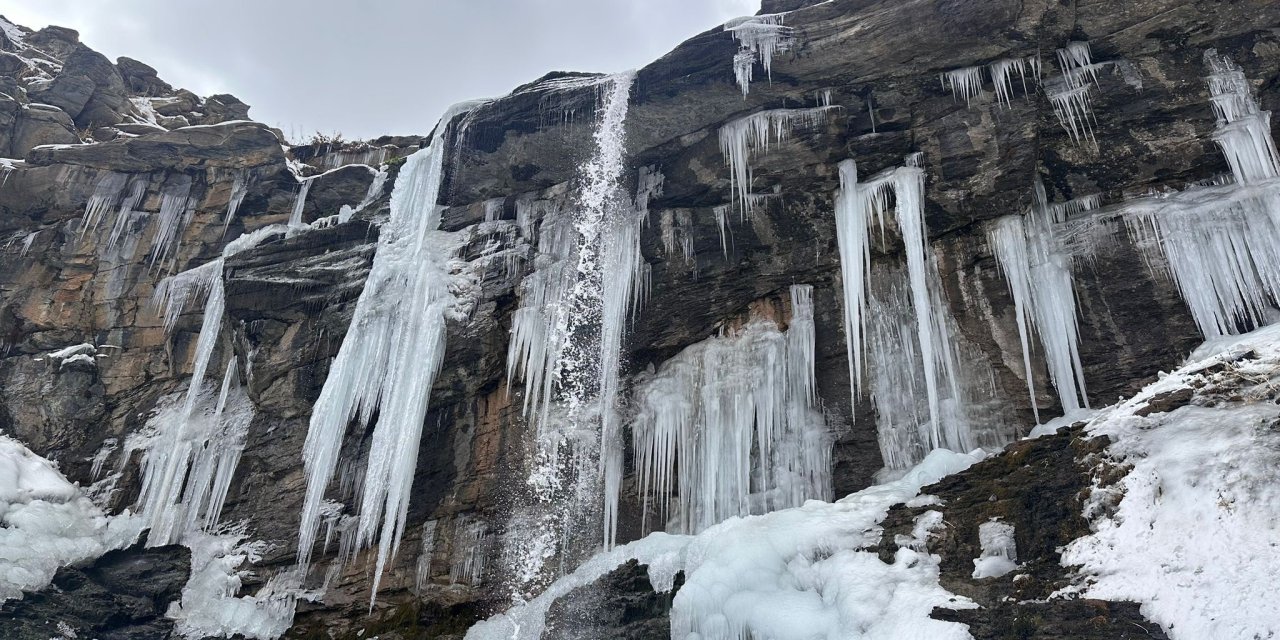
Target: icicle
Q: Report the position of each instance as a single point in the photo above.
(130, 203)
(422, 572)
(964, 83)
(759, 38)
(300, 203)
(197, 445)
(1002, 78)
(1222, 243)
(754, 133)
(1038, 269)
(470, 551)
(388, 360)
(239, 189)
(721, 213)
(930, 351)
(1070, 93)
(731, 422)
(176, 209)
(106, 194)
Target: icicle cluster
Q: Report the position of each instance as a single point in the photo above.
(903, 346)
(1222, 242)
(388, 360)
(759, 39)
(1070, 93)
(1038, 269)
(967, 82)
(730, 427)
(754, 133)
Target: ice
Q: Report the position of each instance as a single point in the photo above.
(999, 550)
(422, 572)
(300, 202)
(46, 522)
(176, 208)
(1039, 271)
(902, 347)
(389, 358)
(209, 606)
(1070, 93)
(732, 423)
(753, 134)
(239, 189)
(1190, 531)
(799, 574)
(1002, 78)
(759, 39)
(177, 293)
(1221, 242)
(470, 551)
(964, 83)
(106, 195)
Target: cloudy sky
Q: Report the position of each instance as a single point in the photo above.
(365, 68)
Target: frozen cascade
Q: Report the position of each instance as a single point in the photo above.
(877, 329)
(1222, 242)
(732, 423)
(195, 442)
(1038, 269)
(999, 550)
(759, 39)
(754, 133)
(300, 202)
(388, 360)
(239, 189)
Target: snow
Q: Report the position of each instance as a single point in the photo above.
(999, 550)
(732, 422)
(46, 522)
(388, 360)
(799, 573)
(1193, 536)
(12, 31)
(754, 133)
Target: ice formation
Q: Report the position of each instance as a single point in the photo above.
(470, 551)
(46, 522)
(239, 189)
(1222, 242)
(900, 323)
(300, 202)
(209, 606)
(731, 425)
(193, 441)
(999, 550)
(794, 574)
(1002, 77)
(1070, 93)
(964, 83)
(754, 133)
(388, 360)
(1038, 269)
(176, 208)
(759, 39)
(1214, 463)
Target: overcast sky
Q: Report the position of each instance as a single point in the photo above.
(371, 67)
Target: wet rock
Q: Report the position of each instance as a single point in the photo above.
(122, 595)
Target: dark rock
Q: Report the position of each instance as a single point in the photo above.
(41, 124)
(11, 65)
(59, 42)
(142, 78)
(620, 605)
(230, 145)
(224, 107)
(123, 595)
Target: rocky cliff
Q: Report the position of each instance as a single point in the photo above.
(116, 181)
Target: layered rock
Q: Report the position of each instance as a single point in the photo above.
(291, 298)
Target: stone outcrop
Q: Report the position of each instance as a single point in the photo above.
(291, 298)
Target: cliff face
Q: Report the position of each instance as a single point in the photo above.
(113, 188)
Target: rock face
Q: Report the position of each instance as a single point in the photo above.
(121, 596)
(68, 279)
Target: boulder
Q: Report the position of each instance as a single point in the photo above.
(224, 107)
(39, 124)
(229, 146)
(58, 42)
(142, 78)
(11, 65)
